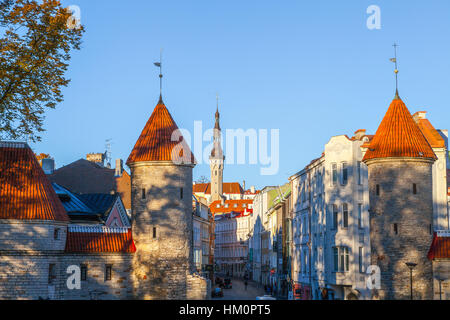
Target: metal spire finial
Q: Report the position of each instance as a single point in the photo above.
(217, 98)
(159, 65)
(395, 45)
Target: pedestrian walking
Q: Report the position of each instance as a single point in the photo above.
(246, 284)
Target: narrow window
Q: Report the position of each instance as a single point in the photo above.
(414, 188)
(108, 272)
(144, 195)
(181, 193)
(360, 215)
(154, 232)
(335, 216)
(83, 269)
(334, 173)
(51, 273)
(395, 229)
(431, 229)
(336, 259)
(344, 173)
(359, 173)
(347, 259)
(56, 234)
(361, 269)
(378, 190)
(345, 215)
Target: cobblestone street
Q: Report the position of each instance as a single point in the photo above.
(238, 291)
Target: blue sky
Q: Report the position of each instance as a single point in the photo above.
(309, 68)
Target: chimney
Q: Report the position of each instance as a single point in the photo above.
(360, 133)
(119, 167)
(252, 189)
(48, 165)
(243, 185)
(419, 115)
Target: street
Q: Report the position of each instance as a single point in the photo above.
(238, 291)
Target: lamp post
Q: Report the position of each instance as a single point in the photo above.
(411, 266)
(440, 280)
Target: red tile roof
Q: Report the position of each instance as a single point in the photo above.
(431, 134)
(233, 206)
(440, 248)
(399, 136)
(25, 191)
(155, 142)
(228, 188)
(99, 239)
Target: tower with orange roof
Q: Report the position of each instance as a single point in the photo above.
(400, 160)
(161, 166)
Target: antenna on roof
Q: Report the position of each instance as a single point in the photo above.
(159, 65)
(394, 60)
(108, 143)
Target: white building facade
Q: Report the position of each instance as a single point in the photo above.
(330, 205)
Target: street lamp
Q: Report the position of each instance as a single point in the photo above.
(440, 280)
(411, 266)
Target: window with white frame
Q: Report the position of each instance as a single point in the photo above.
(359, 169)
(344, 173)
(341, 259)
(335, 213)
(345, 215)
(360, 224)
(334, 174)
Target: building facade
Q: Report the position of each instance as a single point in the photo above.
(331, 223)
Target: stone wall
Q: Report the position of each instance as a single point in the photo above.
(162, 230)
(198, 288)
(33, 235)
(412, 214)
(441, 270)
(96, 287)
(25, 276)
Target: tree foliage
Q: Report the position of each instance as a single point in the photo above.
(36, 38)
(202, 179)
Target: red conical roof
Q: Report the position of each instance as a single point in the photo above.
(399, 136)
(25, 191)
(155, 142)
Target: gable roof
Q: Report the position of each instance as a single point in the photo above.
(228, 188)
(155, 142)
(25, 191)
(83, 176)
(398, 136)
(82, 239)
(440, 248)
(86, 177)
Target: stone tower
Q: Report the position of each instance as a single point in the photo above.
(216, 161)
(399, 161)
(161, 201)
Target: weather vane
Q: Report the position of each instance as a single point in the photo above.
(394, 60)
(217, 98)
(159, 65)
